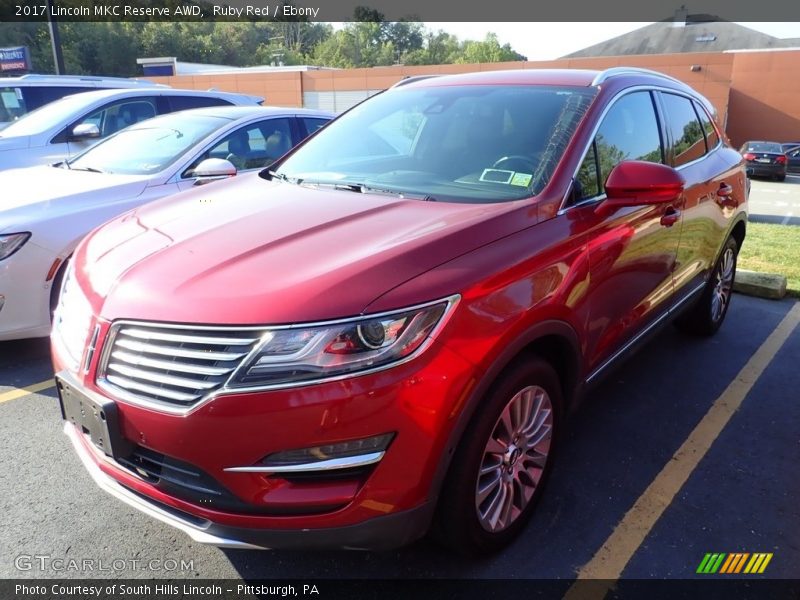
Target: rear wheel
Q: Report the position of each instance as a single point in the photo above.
(501, 466)
(781, 177)
(706, 317)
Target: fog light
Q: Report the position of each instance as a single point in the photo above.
(341, 455)
(329, 451)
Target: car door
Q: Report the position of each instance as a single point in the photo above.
(712, 189)
(250, 147)
(631, 251)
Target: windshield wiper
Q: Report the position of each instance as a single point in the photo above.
(89, 169)
(279, 176)
(363, 188)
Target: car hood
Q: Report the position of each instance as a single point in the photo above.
(46, 192)
(249, 251)
(17, 142)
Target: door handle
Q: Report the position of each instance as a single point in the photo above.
(725, 195)
(671, 216)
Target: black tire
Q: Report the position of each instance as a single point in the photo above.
(458, 524)
(781, 178)
(706, 316)
(55, 290)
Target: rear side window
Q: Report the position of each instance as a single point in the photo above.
(188, 102)
(712, 138)
(688, 140)
(36, 96)
(312, 124)
(629, 131)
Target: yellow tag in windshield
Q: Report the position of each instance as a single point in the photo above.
(521, 179)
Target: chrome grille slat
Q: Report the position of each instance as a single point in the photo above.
(183, 382)
(130, 384)
(189, 339)
(167, 365)
(181, 352)
(172, 365)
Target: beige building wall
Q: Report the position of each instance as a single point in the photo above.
(756, 94)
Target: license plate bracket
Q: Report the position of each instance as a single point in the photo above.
(98, 420)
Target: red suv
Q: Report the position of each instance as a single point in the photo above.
(383, 334)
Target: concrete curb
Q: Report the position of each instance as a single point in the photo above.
(763, 285)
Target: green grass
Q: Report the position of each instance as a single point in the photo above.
(773, 249)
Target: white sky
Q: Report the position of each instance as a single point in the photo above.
(545, 41)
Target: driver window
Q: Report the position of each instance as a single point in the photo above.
(252, 147)
(120, 115)
(629, 131)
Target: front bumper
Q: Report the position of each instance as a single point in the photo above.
(380, 533)
(25, 311)
(387, 505)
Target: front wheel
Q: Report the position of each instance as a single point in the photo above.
(500, 468)
(706, 317)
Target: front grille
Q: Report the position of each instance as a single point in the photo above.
(174, 366)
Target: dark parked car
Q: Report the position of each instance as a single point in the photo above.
(786, 146)
(384, 333)
(793, 159)
(765, 159)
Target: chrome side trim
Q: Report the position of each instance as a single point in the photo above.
(348, 462)
(609, 361)
(90, 351)
(110, 485)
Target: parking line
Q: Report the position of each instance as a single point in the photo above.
(607, 564)
(31, 389)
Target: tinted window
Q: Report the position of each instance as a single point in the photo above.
(463, 143)
(188, 102)
(254, 146)
(762, 147)
(628, 132)
(37, 96)
(712, 138)
(119, 115)
(688, 141)
(312, 124)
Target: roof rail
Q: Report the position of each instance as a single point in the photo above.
(616, 71)
(411, 79)
(100, 78)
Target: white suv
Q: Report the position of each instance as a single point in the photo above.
(67, 127)
(21, 95)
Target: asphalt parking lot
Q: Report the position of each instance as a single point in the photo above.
(775, 201)
(639, 491)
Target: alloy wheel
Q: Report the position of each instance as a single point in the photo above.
(514, 458)
(723, 284)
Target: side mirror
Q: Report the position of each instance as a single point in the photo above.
(640, 183)
(85, 131)
(212, 169)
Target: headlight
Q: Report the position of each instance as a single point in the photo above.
(12, 242)
(297, 354)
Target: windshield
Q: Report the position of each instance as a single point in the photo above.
(148, 147)
(763, 147)
(49, 115)
(475, 143)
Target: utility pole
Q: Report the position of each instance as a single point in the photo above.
(55, 39)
